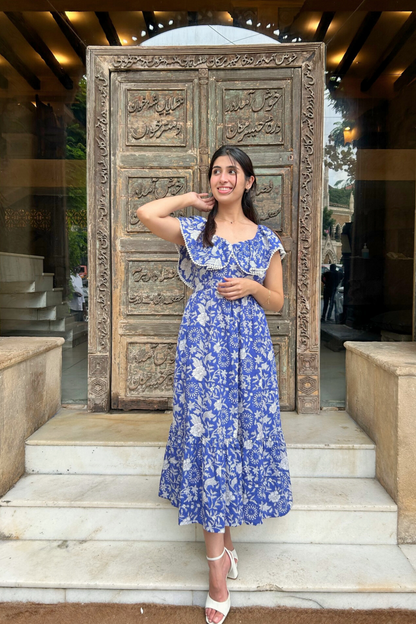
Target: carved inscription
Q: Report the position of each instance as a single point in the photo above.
(156, 117)
(103, 259)
(212, 61)
(253, 116)
(305, 207)
(150, 368)
(154, 287)
(143, 190)
(268, 200)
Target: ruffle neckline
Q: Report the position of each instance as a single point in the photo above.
(253, 256)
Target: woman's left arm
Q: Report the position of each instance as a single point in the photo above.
(269, 294)
(273, 282)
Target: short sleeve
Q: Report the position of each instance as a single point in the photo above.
(274, 244)
(215, 257)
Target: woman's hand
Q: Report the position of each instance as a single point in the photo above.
(198, 201)
(236, 287)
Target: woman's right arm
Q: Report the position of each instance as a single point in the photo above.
(155, 215)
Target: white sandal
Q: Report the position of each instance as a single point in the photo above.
(222, 607)
(233, 571)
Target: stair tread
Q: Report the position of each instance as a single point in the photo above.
(328, 430)
(135, 491)
(182, 566)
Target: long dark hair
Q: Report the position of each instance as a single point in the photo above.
(236, 155)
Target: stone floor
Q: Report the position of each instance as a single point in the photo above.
(74, 376)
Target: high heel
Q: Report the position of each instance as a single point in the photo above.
(233, 571)
(210, 603)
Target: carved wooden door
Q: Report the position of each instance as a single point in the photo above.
(167, 115)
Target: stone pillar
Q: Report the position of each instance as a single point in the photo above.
(381, 397)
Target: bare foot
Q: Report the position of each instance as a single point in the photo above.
(218, 571)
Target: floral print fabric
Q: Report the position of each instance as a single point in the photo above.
(225, 462)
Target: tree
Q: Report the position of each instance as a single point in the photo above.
(327, 220)
(337, 155)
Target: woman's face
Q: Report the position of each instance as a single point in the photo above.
(228, 181)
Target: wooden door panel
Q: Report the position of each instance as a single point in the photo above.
(147, 367)
(154, 156)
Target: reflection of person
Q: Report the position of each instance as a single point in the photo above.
(76, 304)
(331, 279)
(225, 462)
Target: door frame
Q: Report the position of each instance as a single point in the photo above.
(101, 60)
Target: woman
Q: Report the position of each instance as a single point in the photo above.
(225, 461)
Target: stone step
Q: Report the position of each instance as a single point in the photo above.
(32, 300)
(33, 326)
(317, 575)
(329, 444)
(39, 284)
(35, 314)
(19, 267)
(88, 507)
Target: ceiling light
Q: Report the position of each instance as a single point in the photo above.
(268, 25)
(61, 58)
(284, 36)
(313, 25)
(151, 27)
(134, 38)
(259, 24)
(160, 25)
(294, 40)
(143, 33)
(299, 39)
(74, 16)
(124, 40)
(249, 23)
(170, 22)
(276, 32)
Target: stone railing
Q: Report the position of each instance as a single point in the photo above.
(30, 394)
(381, 397)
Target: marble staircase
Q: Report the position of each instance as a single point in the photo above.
(30, 305)
(85, 523)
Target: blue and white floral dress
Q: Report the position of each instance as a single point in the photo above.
(225, 461)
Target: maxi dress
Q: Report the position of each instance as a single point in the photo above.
(225, 462)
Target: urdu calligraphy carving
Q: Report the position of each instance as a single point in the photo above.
(256, 99)
(143, 190)
(103, 264)
(156, 284)
(152, 115)
(269, 199)
(156, 129)
(212, 61)
(150, 368)
(242, 130)
(305, 207)
(259, 115)
(161, 106)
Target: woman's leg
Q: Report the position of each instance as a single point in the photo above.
(218, 570)
(228, 542)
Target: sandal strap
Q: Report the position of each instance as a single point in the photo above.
(216, 558)
(222, 607)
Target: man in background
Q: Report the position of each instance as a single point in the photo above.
(77, 302)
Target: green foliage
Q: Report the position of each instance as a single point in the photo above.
(341, 159)
(327, 220)
(77, 244)
(76, 142)
(76, 149)
(79, 106)
(340, 196)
